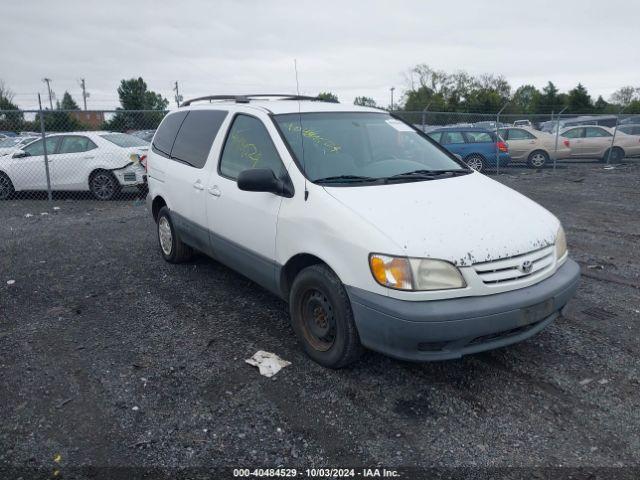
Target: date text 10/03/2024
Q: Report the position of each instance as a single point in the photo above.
(317, 473)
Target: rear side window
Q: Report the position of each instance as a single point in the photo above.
(519, 134)
(196, 136)
(249, 146)
(76, 144)
(166, 134)
(449, 138)
(479, 137)
(435, 136)
(597, 132)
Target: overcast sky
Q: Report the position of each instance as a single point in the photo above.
(347, 47)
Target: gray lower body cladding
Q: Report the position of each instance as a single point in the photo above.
(448, 329)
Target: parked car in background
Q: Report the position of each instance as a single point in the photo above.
(477, 147)
(630, 129)
(146, 135)
(490, 125)
(99, 162)
(596, 142)
(532, 147)
(7, 133)
(523, 123)
(634, 119)
(11, 144)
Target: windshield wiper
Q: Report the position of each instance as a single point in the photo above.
(426, 174)
(346, 179)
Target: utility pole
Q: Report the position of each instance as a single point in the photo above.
(392, 89)
(84, 93)
(48, 82)
(178, 96)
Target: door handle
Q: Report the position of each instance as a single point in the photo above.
(88, 158)
(215, 191)
(198, 185)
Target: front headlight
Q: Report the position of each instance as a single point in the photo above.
(561, 243)
(402, 273)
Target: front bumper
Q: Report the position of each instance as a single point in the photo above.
(447, 329)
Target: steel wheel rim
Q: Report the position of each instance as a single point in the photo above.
(164, 235)
(475, 163)
(538, 160)
(103, 186)
(318, 320)
(5, 187)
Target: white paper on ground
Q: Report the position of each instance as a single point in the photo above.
(268, 363)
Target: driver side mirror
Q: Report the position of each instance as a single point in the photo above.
(20, 154)
(264, 180)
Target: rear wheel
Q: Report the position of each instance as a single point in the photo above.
(104, 185)
(6, 186)
(172, 248)
(322, 318)
(537, 159)
(477, 162)
(614, 154)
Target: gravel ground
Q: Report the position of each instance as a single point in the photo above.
(111, 357)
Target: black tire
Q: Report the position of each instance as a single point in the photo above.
(617, 154)
(104, 185)
(537, 159)
(322, 318)
(477, 162)
(173, 250)
(6, 187)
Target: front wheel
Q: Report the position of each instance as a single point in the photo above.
(6, 187)
(104, 185)
(322, 318)
(476, 162)
(537, 159)
(172, 248)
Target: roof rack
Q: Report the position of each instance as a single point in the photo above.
(247, 98)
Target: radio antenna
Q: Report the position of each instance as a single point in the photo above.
(306, 192)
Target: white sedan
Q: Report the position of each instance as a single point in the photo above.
(99, 162)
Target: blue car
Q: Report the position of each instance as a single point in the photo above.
(476, 146)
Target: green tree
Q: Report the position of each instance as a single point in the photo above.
(549, 100)
(525, 99)
(68, 103)
(135, 97)
(601, 105)
(365, 102)
(11, 118)
(328, 97)
(579, 100)
(625, 95)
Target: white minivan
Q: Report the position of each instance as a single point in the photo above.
(375, 235)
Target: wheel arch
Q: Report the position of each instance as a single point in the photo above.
(157, 203)
(295, 265)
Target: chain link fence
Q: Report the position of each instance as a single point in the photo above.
(100, 155)
(495, 143)
(74, 154)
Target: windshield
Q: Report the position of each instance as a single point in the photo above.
(356, 146)
(124, 140)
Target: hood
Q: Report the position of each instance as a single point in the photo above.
(464, 220)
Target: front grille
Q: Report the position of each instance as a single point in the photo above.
(516, 267)
(129, 177)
